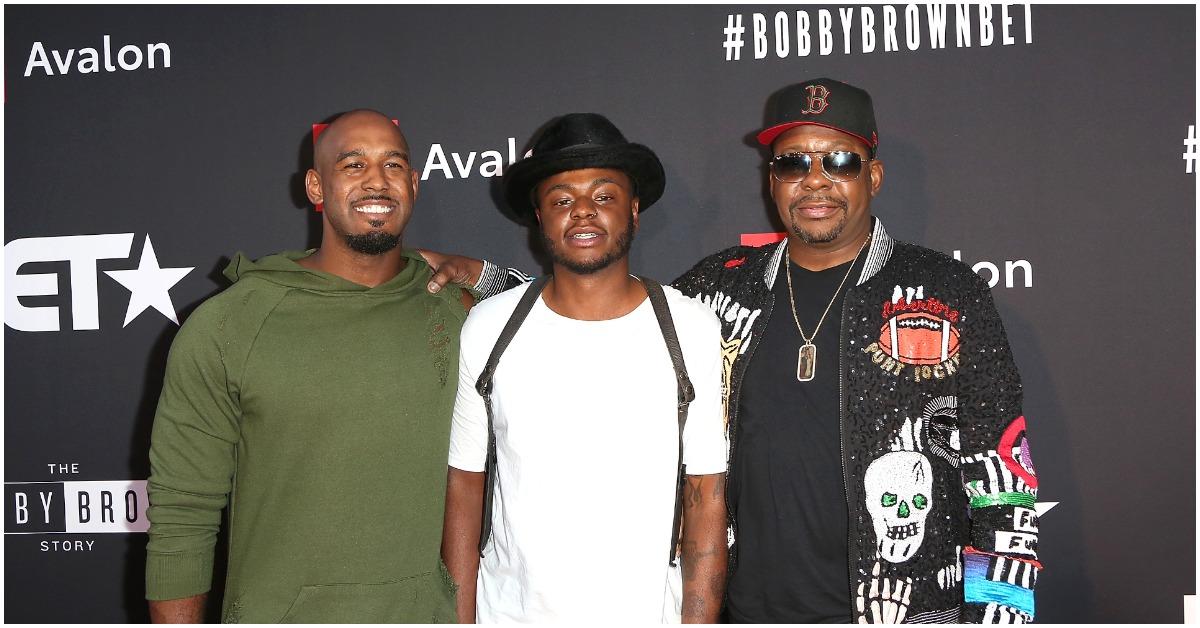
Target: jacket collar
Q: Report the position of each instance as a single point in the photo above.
(877, 255)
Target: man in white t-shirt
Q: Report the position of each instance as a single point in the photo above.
(586, 414)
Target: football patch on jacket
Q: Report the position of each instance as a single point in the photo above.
(918, 335)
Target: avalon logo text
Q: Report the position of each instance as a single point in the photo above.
(88, 60)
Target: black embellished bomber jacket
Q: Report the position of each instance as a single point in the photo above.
(940, 486)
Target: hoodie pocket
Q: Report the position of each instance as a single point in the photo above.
(423, 598)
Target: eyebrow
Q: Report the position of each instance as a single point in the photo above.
(358, 152)
(837, 147)
(564, 186)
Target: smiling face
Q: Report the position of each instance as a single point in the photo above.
(817, 210)
(588, 218)
(363, 176)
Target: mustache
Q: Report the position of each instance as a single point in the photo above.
(376, 197)
(820, 198)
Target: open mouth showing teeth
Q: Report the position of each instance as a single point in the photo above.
(901, 532)
(585, 236)
(373, 209)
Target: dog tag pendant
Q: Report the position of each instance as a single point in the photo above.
(806, 365)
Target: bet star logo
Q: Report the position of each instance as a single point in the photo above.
(149, 284)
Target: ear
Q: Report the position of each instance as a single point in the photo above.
(416, 182)
(634, 206)
(312, 187)
(876, 170)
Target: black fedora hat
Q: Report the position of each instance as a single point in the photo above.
(577, 141)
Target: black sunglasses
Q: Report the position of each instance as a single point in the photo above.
(839, 166)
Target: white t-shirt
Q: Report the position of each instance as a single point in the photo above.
(587, 456)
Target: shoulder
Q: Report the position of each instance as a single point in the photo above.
(501, 305)
(736, 264)
(732, 254)
(934, 267)
(225, 318)
(695, 322)
(236, 301)
(488, 317)
(452, 298)
(689, 310)
(737, 258)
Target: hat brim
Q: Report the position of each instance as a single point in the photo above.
(768, 135)
(635, 160)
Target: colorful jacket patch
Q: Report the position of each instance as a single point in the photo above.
(919, 337)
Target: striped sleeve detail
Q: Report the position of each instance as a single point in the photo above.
(1003, 584)
(877, 254)
(1001, 614)
(950, 616)
(493, 280)
(989, 476)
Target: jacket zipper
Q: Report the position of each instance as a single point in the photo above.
(768, 308)
(842, 443)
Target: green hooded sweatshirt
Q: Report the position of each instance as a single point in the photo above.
(318, 410)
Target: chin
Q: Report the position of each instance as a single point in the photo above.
(585, 266)
(373, 242)
(823, 236)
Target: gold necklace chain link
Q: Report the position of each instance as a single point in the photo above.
(792, 298)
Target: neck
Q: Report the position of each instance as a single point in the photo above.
(600, 296)
(820, 256)
(360, 268)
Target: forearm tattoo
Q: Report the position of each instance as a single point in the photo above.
(703, 550)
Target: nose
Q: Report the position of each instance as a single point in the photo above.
(375, 179)
(816, 179)
(583, 208)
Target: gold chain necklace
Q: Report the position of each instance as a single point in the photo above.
(806, 364)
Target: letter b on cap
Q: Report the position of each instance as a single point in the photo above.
(818, 96)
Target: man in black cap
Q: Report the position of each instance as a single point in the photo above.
(891, 463)
(588, 437)
(887, 478)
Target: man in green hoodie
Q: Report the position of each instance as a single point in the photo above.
(313, 398)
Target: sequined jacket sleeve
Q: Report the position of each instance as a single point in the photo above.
(1000, 566)
(707, 273)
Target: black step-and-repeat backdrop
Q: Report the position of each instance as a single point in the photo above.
(1052, 148)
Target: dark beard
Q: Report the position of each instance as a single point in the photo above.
(624, 243)
(373, 242)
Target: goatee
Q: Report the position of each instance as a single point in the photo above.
(372, 242)
(817, 237)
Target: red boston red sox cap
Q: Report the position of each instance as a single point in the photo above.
(822, 102)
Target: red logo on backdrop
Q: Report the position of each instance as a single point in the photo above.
(817, 99)
(316, 132)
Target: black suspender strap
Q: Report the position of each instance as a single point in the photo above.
(484, 386)
(684, 391)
